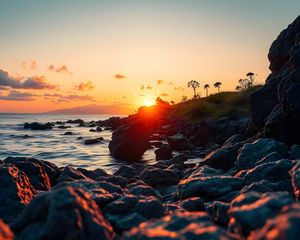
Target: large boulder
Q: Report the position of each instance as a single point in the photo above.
(130, 141)
(16, 191)
(178, 142)
(163, 153)
(156, 176)
(63, 213)
(275, 108)
(38, 126)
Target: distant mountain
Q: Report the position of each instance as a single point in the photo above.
(94, 109)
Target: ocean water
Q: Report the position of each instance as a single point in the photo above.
(54, 146)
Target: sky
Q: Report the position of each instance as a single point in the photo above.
(123, 53)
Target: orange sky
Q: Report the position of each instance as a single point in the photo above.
(62, 54)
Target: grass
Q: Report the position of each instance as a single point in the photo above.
(215, 106)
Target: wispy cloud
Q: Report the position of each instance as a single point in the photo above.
(14, 95)
(146, 87)
(179, 88)
(159, 82)
(32, 65)
(60, 69)
(69, 98)
(84, 86)
(120, 76)
(164, 95)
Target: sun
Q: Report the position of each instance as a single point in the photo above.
(148, 102)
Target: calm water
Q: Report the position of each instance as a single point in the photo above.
(53, 146)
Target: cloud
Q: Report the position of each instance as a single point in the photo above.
(69, 98)
(148, 87)
(119, 76)
(164, 95)
(179, 88)
(171, 83)
(35, 82)
(32, 65)
(14, 95)
(159, 82)
(84, 86)
(60, 69)
(141, 95)
(4, 88)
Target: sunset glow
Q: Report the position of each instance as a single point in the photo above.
(148, 103)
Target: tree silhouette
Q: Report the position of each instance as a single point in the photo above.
(238, 88)
(206, 87)
(218, 85)
(251, 77)
(194, 85)
(184, 98)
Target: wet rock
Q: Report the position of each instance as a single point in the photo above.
(16, 191)
(64, 213)
(69, 174)
(93, 174)
(114, 179)
(129, 142)
(209, 188)
(179, 225)
(51, 169)
(110, 187)
(295, 178)
(163, 153)
(68, 133)
(64, 127)
(121, 205)
(193, 204)
(283, 226)
(5, 232)
(149, 207)
(264, 186)
(75, 121)
(178, 142)
(126, 172)
(155, 176)
(203, 171)
(253, 152)
(93, 141)
(157, 144)
(129, 221)
(272, 157)
(218, 211)
(250, 211)
(143, 190)
(295, 152)
(223, 158)
(38, 126)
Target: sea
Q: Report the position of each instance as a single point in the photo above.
(54, 146)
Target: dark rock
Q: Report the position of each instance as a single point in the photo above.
(129, 221)
(218, 211)
(64, 127)
(193, 204)
(163, 153)
(283, 226)
(121, 205)
(38, 126)
(295, 178)
(157, 144)
(179, 225)
(203, 171)
(93, 174)
(149, 207)
(16, 191)
(272, 157)
(295, 152)
(264, 186)
(253, 152)
(250, 211)
(110, 187)
(76, 121)
(209, 188)
(64, 213)
(155, 176)
(68, 133)
(51, 169)
(178, 142)
(69, 174)
(235, 139)
(115, 180)
(223, 158)
(5, 232)
(129, 142)
(93, 141)
(126, 172)
(143, 190)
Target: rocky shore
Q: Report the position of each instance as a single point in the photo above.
(246, 185)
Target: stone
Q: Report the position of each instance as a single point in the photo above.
(75, 121)
(163, 153)
(295, 152)
(149, 207)
(121, 205)
(155, 176)
(126, 171)
(38, 126)
(253, 152)
(68, 133)
(129, 221)
(93, 141)
(193, 204)
(93, 174)
(218, 211)
(272, 157)
(5, 232)
(295, 178)
(178, 142)
(63, 213)
(70, 174)
(16, 191)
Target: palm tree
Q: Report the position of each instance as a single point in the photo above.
(206, 87)
(251, 77)
(194, 85)
(217, 85)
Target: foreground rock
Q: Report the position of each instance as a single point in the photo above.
(129, 142)
(38, 126)
(5, 232)
(65, 213)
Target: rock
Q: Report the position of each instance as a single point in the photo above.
(157, 144)
(163, 153)
(129, 221)
(130, 141)
(51, 169)
(126, 172)
(76, 121)
(143, 190)
(253, 152)
(16, 191)
(38, 126)
(283, 226)
(250, 211)
(193, 204)
(64, 127)
(149, 207)
(68, 133)
(218, 211)
(121, 205)
(179, 225)
(69, 174)
(264, 186)
(5, 232)
(209, 188)
(223, 158)
(93, 174)
(295, 152)
(93, 141)
(235, 139)
(178, 142)
(115, 180)
(272, 171)
(155, 176)
(272, 157)
(64, 213)
(203, 171)
(295, 178)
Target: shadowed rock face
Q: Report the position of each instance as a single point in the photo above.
(5, 232)
(16, 191)
(275, 108)
(64, 213)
